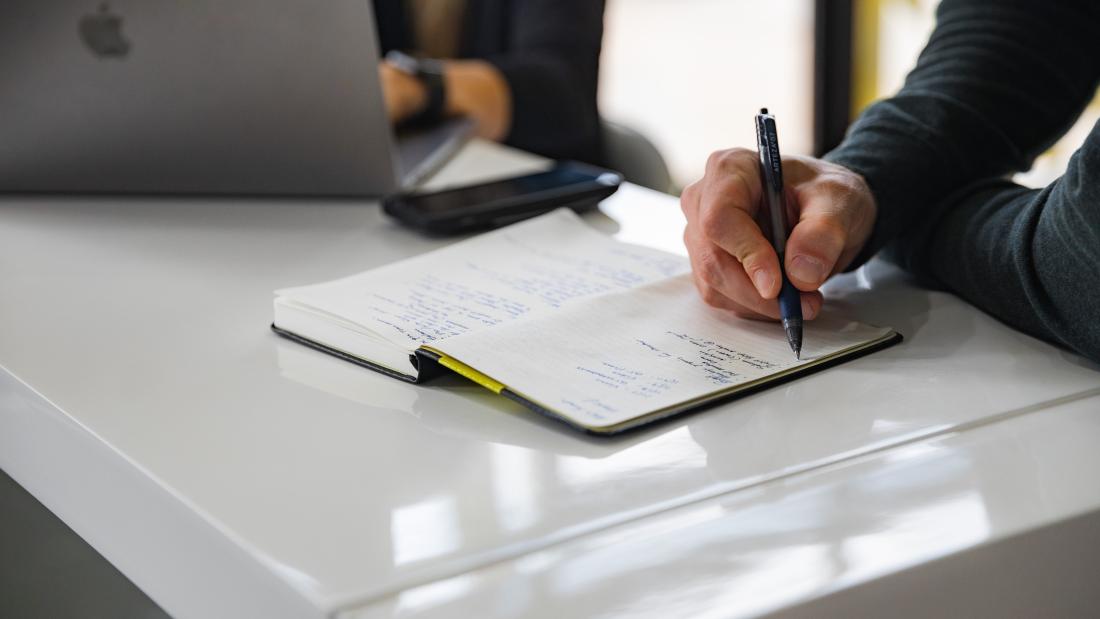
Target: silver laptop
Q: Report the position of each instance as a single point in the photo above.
(201, 96)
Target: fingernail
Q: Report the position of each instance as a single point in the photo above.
(807, 269)
(808, 310)
(763, 281)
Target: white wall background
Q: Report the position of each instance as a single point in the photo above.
(690, 74)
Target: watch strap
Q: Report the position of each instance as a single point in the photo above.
(430, 74)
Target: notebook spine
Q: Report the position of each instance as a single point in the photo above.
(427, 365)
(419, 377)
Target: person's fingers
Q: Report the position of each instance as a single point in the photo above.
(817, 241)
(736, 286)
(813, 250)
(726, 203)
(723, 283)
(737, 233)
(711, 268)
(708, 266)
(712, 297)
(811, 307)
(811, 304)
(689, 201)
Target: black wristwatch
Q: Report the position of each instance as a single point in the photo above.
(430, 73)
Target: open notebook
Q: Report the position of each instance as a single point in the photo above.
(600, 334)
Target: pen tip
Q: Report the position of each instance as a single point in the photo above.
(794, 336)
(763, 110)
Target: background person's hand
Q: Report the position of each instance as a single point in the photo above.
(475, 89)
(404, 94)
(733, 264)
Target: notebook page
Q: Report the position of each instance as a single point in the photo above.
(490, 279)
(604, 361)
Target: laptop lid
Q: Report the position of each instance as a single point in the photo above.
(421, 152)
(203, 96)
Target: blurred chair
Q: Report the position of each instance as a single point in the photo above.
(632, 154)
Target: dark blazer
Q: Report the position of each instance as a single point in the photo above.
(547, 50)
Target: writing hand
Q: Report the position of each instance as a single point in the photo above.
(734, 265)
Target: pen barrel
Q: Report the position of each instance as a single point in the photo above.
(790, 301)
(777, 219)
(771, 168)
(775, 200)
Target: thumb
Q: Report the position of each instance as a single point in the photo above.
(815, 244)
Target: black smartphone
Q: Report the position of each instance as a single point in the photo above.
(478, 207)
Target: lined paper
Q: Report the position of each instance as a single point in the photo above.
(489, 280)
(604, 361)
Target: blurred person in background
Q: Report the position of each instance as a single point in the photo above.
(925, 175)
(525, 71)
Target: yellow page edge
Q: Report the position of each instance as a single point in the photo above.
(466, 371)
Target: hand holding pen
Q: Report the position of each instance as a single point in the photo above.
(735, 265)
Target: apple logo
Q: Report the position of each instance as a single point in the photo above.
(102, 33)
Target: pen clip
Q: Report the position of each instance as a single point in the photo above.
(767, 144)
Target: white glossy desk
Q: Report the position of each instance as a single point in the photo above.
(230, 473)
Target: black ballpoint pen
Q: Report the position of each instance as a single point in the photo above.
(790, 301)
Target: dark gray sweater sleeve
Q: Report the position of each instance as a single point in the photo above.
(1030, 257)
(996, 85)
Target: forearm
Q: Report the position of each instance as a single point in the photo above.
(997, 83)
(1029, 257)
